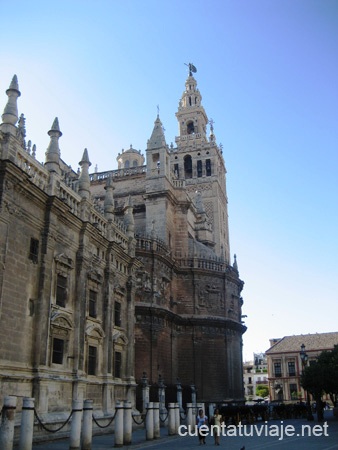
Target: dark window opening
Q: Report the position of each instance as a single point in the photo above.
(61, 290)
(189, 101)
(199, 168)
(92, 360)
(127, 164)
(34, 250)
(188, 166)
(92, 303)
(117, 364)
(208, 167)
(190, 128)
(58, 348)
(176, 170)
(278, 369)
(291, 368)
(117, 314)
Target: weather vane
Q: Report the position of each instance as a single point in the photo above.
(192, 69)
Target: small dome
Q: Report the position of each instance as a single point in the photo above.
(132, 150)
(130, 158)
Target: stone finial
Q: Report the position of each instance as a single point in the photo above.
(129, 217)
(144, 380)
(235, 265)
(85, 159)
(21, 130)
(84, 179)
(109, 199)
(52, 160)
(10, 114)
(212, 137)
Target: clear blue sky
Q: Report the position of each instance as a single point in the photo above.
(268, 75)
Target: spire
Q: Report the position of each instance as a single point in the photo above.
(10, 114)
(109, 199)
(52, 160)
(84, 180)
(157, 139)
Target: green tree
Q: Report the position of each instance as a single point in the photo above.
(262, 390)
(329, 361)
(313, 381)
(322, 377)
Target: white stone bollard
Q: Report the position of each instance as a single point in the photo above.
(191, 420)
(87, 425)
(118, 433)
(150, 421)
(75, 428)
(177, 417)
(27, 424)
(7, 423)
(127, 423)
(157, 433)
(171, 419)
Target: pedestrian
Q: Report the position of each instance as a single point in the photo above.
(217, 421)
(202, 426)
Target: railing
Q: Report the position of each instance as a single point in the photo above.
(98, 221)
(38, 174)
(118, 173)
(202, 263)
(149, 243)
(178, 183)
(71, 199)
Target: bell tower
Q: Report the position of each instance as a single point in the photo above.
(191, 116)
(199, 161)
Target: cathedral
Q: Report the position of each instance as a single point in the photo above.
(108, 278)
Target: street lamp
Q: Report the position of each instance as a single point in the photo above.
(304, 358)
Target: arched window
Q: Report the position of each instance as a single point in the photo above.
(199, 168)
(208, 167)
(127, 164)
(190, 127)
(188, 166)
(135, 163)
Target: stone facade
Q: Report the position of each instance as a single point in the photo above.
(255, 374)
(105, 276)
(285, 364)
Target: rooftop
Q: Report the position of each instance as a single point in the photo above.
(318, 341)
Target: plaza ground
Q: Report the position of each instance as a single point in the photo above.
(324, 437)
